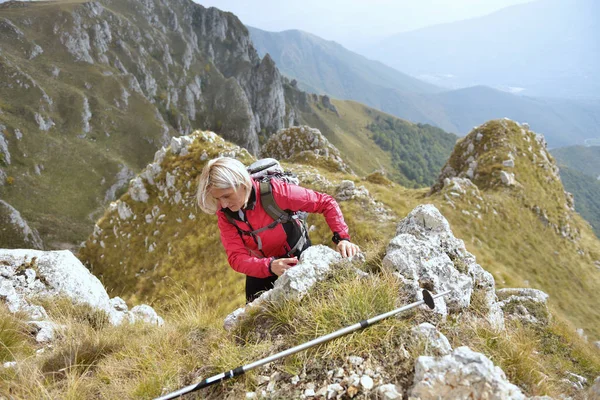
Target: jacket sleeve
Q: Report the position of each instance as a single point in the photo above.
(297, 198)
(238, 256)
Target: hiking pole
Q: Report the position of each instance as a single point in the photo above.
(427, 299)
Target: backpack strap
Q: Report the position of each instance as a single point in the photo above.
(279, 217)
(268, 202)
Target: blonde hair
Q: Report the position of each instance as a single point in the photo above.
(221, 173)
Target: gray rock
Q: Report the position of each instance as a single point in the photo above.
(45, 331)
(86, 115)
(594, 392)
(435, 340)
(121, 180)
(507, 178)
(59, 273)
(525, 304)
(313, 266)
(389, 392)
(146, 314)
(348, 191)
(464, 374)
(118, 304)
(578, 381)
(534, 294)
(509, 163)
(137, 190)
(366, 382)
(426, 254)
(23, 235)
(43, 124)
(123, 210)
(4, 147)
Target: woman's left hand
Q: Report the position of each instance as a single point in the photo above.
(347, 249)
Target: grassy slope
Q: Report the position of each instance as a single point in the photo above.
(188, 275)
(79, 171)
(513, 244)
(349, 132)
(71, 182)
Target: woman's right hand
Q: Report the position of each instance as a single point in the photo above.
(280, 265)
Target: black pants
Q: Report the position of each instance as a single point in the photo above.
(255, 286)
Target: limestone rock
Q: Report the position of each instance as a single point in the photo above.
(435, 341)
(594, 391)
(348, 191)
(389, 392)
(304, 143)
(313, 266)
(525, 304)
(44, 331)
(426, 254)
(507, 178)
(145, 313)
(137, 190)
(29, 273)
(17, 231)
(464, 374)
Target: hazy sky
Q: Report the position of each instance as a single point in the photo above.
(354, 22)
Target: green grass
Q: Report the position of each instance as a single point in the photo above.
(140, 361)
(14, 341)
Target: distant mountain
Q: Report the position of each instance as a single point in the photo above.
(326, 67)
(90, 90)
(544, 48)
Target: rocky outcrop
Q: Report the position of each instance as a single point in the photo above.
(14, 230)
(506, 155)
(464, 374)
(29, 274)
(524, 304)
(304, 144)
(347, 191)
(314, 265)
(132, 75)
(425, 254)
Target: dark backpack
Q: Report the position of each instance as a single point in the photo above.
(264, 170)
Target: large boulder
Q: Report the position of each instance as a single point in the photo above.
(25, 274)
(302, 144)
(425, 254)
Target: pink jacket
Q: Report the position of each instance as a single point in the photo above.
(242, 251)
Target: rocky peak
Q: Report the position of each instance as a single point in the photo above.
(116, 80)
(503, 155)
(303, 143)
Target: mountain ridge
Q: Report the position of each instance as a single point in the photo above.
(563, 121)
(559, 61)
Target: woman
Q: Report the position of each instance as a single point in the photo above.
(255, 245)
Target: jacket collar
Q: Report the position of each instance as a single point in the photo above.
(249, 206)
